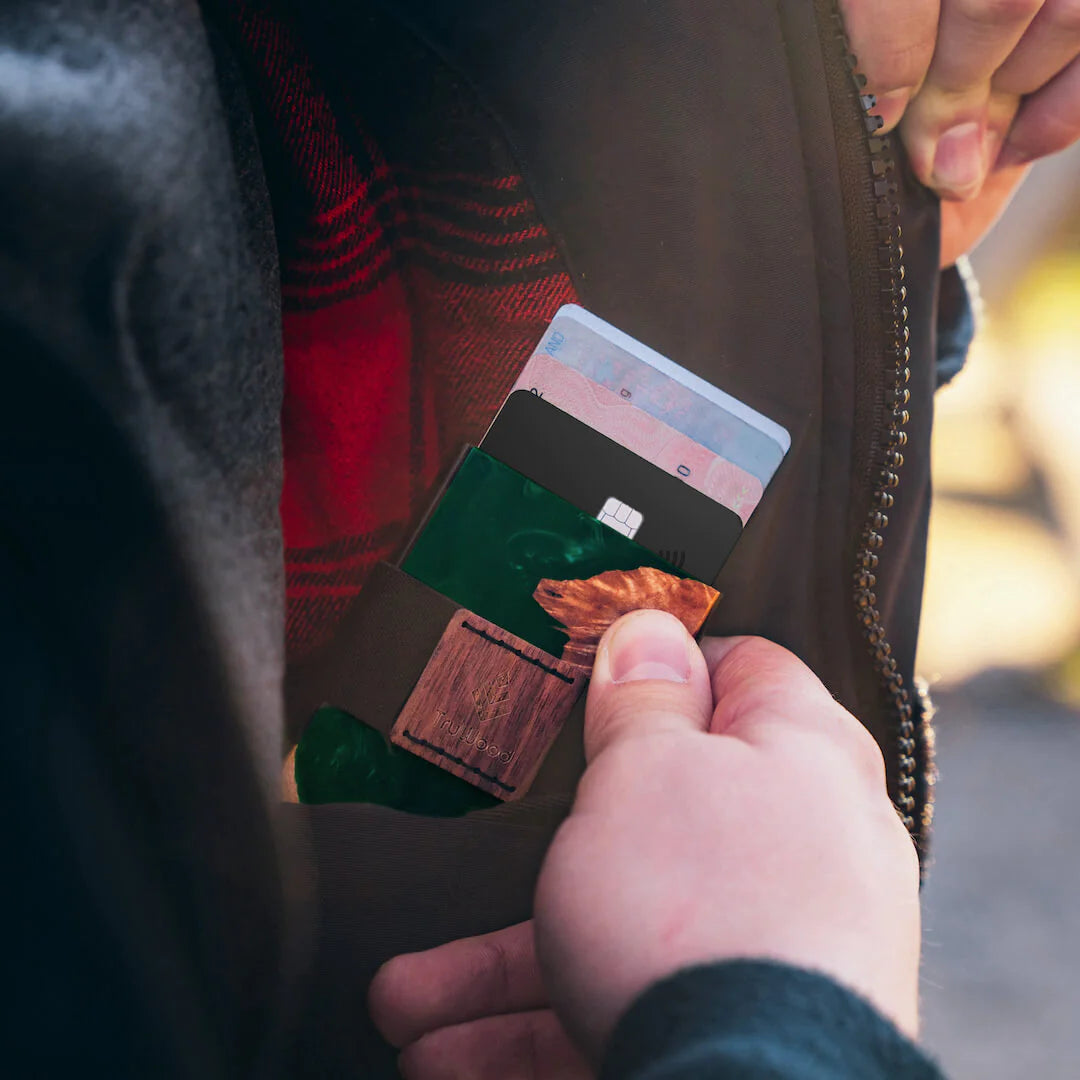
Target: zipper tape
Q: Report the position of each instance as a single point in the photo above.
(894, 419)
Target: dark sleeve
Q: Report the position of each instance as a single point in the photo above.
(140, 556)
(958, 311)
(755, 1020)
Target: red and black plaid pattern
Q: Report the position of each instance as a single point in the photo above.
(416, 278)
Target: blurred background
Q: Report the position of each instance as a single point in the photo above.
(1000, 647)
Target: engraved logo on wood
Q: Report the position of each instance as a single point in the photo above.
(493, 700)
(488, 706)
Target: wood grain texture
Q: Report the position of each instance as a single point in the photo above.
(488, 706)
(589, 606)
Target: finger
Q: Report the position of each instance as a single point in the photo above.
(1049, 44)
(1047, 122)
(765, 695)
(893, 44)
(963, 224)
(522, 1046)
(945, 127)
(462, 981)
(649, 677)
(974, 39)
(1001, 110)
(760, 680)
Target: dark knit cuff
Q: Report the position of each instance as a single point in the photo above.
(959, 313)
(757, 1019)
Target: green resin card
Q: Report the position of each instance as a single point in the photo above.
(495, 534)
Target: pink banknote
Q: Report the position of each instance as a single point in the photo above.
(607, 412)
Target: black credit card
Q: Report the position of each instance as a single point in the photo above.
(637, 498)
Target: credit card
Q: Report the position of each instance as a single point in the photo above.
(663, 389)
(597, 475)
(495, 534)
(616, 417)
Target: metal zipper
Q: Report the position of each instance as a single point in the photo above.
(886, 450)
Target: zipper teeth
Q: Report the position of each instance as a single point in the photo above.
(892, 416)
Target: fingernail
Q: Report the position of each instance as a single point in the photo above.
(649, 645)
(958, 159)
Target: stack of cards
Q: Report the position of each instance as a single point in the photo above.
(605, 456)
(641, 443)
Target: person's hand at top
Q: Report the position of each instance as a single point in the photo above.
(730, 809)
(978, 88)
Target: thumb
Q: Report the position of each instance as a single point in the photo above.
(649, 676)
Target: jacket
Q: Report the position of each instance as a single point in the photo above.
(211, 218)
